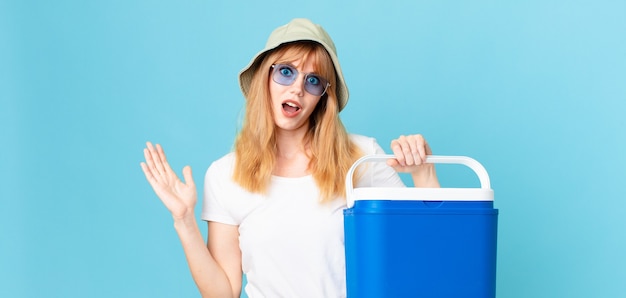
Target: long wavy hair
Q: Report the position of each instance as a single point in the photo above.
(331, 151)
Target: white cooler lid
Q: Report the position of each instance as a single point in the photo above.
(422, 194)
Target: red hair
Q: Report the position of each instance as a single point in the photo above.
(332, 152)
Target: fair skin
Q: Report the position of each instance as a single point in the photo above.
(216, 266)
(292, 159)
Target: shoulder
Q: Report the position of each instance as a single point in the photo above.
(220, 172)
(223, 165)
(375, 174)
(367, 144)
(224, 200)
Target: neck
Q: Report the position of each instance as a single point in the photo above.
(292, 159)
(290, 142)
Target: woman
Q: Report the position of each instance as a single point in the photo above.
(274, 205)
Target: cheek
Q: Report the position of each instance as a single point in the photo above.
(274, 92)
(314, 101)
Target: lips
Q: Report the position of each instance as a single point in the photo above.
(291, 108)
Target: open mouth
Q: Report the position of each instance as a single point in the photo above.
(290, 107)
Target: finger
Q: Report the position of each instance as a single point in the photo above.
(422, 148)
(418, 151)
(152, 180)
(408, 149)
(163, 159)
(392, 162)
(396, 147)
(159, 189)
(187, 175)
(428, 150)
(157, 165)
(147, 172)
(411, 151)
(150, 164)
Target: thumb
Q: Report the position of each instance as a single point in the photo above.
(188, 176)
(392, 162)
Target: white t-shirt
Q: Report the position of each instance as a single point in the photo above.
(291, 245)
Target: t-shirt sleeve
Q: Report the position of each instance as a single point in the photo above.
(375, 174)
(215, 193)
(384, 175)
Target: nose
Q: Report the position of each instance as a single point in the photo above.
(298, 86)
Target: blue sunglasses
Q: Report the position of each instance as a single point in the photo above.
(285, 75)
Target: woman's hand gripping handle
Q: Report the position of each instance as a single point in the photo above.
(410, 152)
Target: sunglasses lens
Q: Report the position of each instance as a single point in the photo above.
(285, 75)
(314, 84)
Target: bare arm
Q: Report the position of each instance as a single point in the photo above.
(216, 266)
(223, 243)
(180, 198)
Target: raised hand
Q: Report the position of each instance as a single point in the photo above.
(179, 197)
(410, 152)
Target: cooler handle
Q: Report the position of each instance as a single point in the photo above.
(473, 164)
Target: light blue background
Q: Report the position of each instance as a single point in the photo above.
(534, 90)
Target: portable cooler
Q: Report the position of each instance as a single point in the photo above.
(421, 242)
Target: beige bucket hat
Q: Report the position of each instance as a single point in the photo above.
(297, 29)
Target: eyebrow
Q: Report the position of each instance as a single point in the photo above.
(296, 68)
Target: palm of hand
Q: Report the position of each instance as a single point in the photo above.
(179, 197)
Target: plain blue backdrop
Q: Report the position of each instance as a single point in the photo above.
(534, 90)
